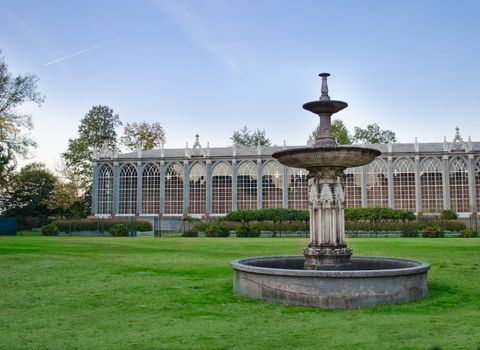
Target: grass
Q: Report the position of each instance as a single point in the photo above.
(176, 293)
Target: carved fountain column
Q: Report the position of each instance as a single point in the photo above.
(327, 246)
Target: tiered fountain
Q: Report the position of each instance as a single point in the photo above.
(327, 275)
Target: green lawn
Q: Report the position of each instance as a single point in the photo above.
(176, 293)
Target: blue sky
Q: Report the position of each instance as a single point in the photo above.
(214, 66)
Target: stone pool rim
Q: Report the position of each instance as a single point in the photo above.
(411, 267)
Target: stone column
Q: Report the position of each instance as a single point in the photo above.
(139, 187)
(259, 184)
(95, 189)
(391, 193)
(186, 186)
(116, 189)
(475, 194)
(471, 183)
(446, 183)
(234, 184)
(285, 186)
(163, 174)
(209, 187)
(363, 181)
(327, 247)
(418, 203)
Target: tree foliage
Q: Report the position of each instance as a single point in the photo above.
(144, 135)
(29, 191)
(246, 138)
(96, 127)
(339, 131)
(373, 135)
(67, 196)
(14, 138)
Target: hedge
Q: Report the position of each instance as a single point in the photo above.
(281, 214)
(256, 226)
(376, 214)
(270, 214)
(405, 228)
(100, 225)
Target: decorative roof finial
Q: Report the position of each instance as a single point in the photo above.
(197, 142)
(324, 96)
(457, 137)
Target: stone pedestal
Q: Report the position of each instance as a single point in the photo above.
(327, 247)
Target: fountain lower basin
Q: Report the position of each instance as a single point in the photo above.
(366, 281)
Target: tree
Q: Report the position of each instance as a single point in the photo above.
(245, 138)
(373, 135)
(66, 199)
(144, 135)
(339, 131)
(96, 127)
(14, 127)
(28, 192)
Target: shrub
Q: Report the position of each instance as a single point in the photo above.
(433, 231)
(217, 231)
(467, 233)
(50, 230)
(190, 233)
(247, 231)
(448, 215)
(119, 230)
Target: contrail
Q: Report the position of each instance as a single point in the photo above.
(73, 55)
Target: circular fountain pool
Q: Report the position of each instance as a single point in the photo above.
(366, 281)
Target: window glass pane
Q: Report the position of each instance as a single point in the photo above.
(247, 176)
(222, 188)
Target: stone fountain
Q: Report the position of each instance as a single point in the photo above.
(327, 275)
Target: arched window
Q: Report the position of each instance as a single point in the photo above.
(221, 188)
(297, 188)
(247, 177)
(105, 190)
(404, 184)
(377, 184)
(174, 189)
(458, 179)
(431, 186)
(128, 190)
(353, 187)
(151, 189)
(198, 189)
(272, 185)
(477, 182)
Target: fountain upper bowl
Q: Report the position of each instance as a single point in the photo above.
(311, 158)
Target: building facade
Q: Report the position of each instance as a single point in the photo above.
(203, 181)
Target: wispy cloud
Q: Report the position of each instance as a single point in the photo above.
(198, 30)
(73, 54)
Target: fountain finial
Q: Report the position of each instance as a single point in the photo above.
(324, 96)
